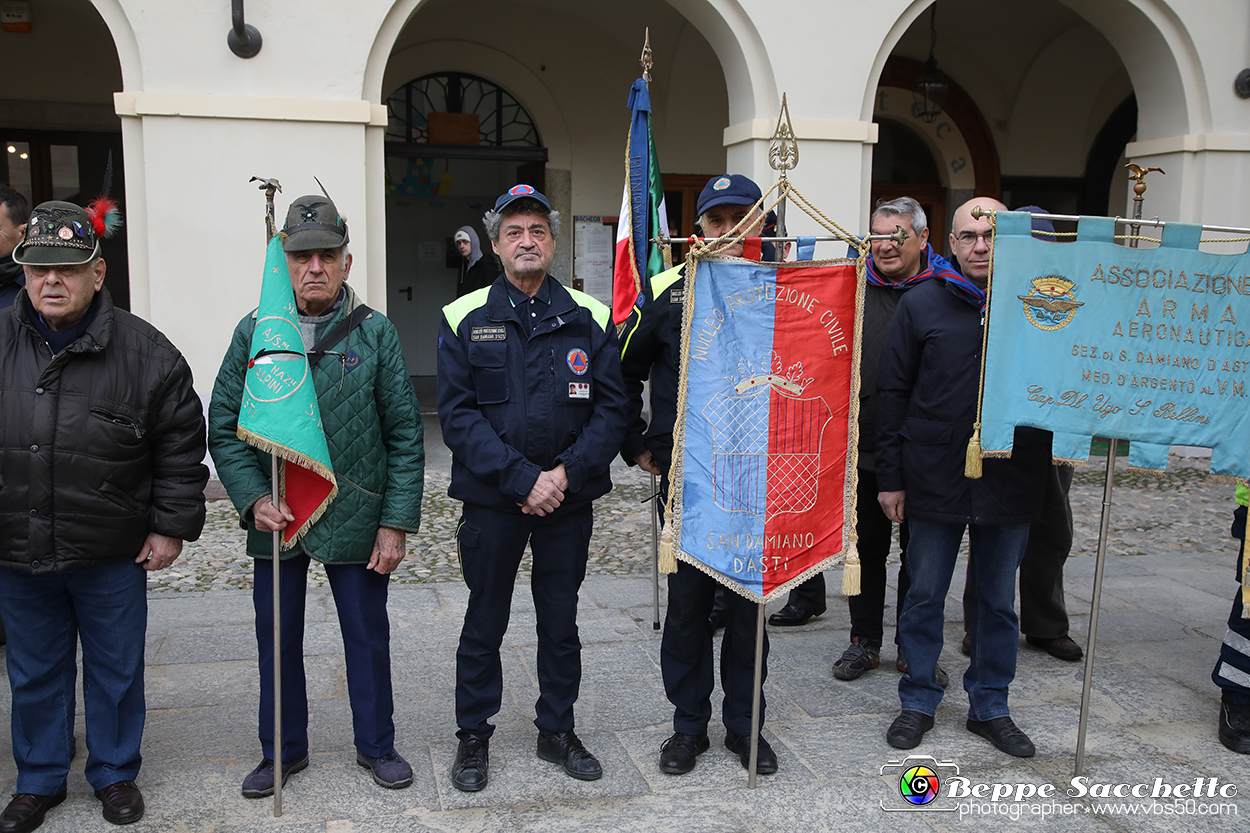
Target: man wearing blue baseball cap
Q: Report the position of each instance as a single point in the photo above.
(652, 350)
(532, 407)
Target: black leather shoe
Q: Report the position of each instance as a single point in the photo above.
(1061, 647)
(470, 771)
(908, 729)
(123, 803)
(792, 616)
(25, 812)
(1004, 734)
(678, 753)
(259, 782)
(965, 647)
(565, 749)
(1235, 727)
(765, 757)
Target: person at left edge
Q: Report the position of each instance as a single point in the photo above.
(375, 438)
(532, 406)
(13, 212)
(101, 450)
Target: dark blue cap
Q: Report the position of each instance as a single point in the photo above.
(733, 189)
(517, 192)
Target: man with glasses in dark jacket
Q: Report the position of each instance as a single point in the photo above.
(928, 384)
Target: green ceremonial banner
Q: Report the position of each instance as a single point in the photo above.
(279, 411)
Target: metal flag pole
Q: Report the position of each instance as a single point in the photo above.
(645, 61)
(655, 553)
(270, 187)
(783, 156)
(1104, 523)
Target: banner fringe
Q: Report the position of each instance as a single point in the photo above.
(289, 455)
(1148, 471)
(1070, 462)
(1230, 479)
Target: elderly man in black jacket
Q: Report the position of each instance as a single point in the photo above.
(927, 384)
(101, 480)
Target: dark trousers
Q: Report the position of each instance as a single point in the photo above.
(1043, 612)
(1232, 672)
(875, 532)
(360, 597)
(106, 608)
(686, 654)
(490, 544)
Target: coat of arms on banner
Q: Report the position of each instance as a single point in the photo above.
(743, 463)
(763, 491)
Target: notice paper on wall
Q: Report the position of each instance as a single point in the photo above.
(593, 249)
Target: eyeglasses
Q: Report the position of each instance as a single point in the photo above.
(968, 239)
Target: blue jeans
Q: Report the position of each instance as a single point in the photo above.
(996, 553)
(106, 608)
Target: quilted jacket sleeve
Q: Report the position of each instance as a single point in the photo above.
(600, 438)
(467, 432)
(177, 446)
(245, 479)
(403, 435)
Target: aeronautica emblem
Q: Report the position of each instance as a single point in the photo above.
(578, 361)
(1051, 304)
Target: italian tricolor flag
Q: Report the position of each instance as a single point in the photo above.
(643, 214)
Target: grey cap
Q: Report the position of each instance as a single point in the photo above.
(58, 234)
(312, 222)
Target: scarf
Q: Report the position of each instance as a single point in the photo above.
(937, 267)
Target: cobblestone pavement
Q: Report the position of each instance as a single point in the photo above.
(1182, 511)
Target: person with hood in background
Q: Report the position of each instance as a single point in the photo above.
(476, 271)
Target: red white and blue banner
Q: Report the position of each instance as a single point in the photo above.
(763, 492)
(643, 212)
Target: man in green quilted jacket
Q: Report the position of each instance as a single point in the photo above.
(373, 429)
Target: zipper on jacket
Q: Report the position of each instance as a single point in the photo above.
(118, 420)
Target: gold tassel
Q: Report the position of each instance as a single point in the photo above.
(668, 561)
(972, 460)
(1245, 601)
(851, 576)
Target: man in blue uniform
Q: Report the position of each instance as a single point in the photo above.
(532, 407)
(651, 349)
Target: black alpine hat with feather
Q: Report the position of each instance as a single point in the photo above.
(64, 234)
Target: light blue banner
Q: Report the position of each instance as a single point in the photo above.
(1090, 338)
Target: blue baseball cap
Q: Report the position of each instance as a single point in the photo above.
(517, 192)
(733, 189)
